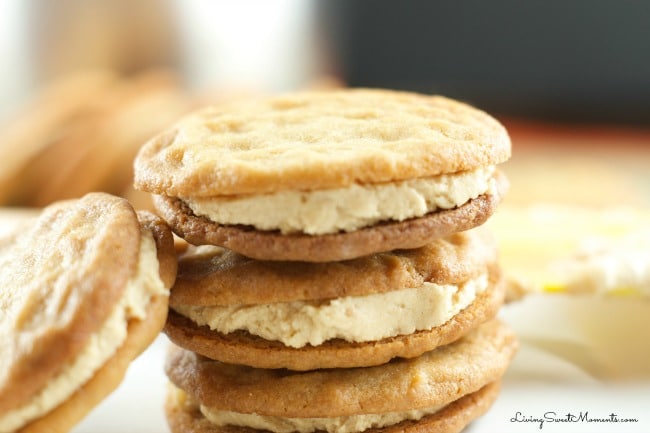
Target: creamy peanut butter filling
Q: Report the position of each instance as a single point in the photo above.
(341, 424)
(145, 284)
(346, 209)
(353, 318)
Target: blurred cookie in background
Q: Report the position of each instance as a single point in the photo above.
(81, 133)
(45, 118)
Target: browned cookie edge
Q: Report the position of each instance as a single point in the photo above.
(165, 246)
(435, 378)
(140, 334)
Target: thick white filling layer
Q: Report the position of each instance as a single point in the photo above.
(101, 346)
(353, 318)
(346, 209)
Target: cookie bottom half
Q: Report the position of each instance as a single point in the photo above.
(387, 236)
(184, 415)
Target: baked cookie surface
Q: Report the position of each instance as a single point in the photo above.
(27, 135)
(184, 415)
(360, 312)
(209, 275)
(318, 140)
(432, 380)
(48, 307)
(66, 277)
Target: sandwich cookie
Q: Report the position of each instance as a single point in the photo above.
(326, 176)
(440, 391)
(83, 291)
(360, 312)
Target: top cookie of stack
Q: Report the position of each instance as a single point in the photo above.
(326, 176)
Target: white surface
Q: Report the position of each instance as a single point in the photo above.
(566, 364)
(137, 405)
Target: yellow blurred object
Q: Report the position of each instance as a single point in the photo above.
(553, 248)
(550, 288)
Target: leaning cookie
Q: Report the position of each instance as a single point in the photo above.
(440, 391)
(326, 176)
(360, 312)
(84, 290)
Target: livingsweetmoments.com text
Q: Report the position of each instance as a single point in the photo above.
(570, 417)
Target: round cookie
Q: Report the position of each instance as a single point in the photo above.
(432, 380)
(184, 415)
(318, 140)
(209, 275)
(214, 279)
(310, 147)
(84, 291)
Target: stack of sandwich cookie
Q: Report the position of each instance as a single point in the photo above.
(84, 289)
(337, 252)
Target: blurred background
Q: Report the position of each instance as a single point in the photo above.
(86, 82)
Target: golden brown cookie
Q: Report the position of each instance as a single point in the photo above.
(326, 176)
(84, 291)
(209, 275)
(81, 134)
(184, 415)
(318, 140)
(360, 312)
(433, 380)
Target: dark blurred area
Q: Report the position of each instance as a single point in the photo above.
(573, 61)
